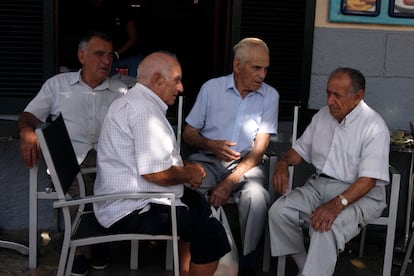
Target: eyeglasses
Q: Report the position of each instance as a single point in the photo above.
(100, 54)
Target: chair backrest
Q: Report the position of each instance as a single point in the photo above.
(59, 155)
(304, 117)
(301, 119)
(179, 120)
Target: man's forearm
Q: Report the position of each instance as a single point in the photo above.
(27, 120)
(291, 157)
(172, 176)
(193, 138)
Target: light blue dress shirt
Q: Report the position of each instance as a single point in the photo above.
(222, 114)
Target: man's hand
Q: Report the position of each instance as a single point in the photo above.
(221, 192)
(222, 149)
(29, 147)
(324, 216)
(280, 178)
(196, 174)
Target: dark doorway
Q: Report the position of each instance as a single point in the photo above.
(287, 27)
(196, 31)
(202, 32)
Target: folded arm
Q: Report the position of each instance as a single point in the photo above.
(191, 173)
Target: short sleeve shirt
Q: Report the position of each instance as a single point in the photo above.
(222, 114)
(136, 139)
(356, 147)
(83, 108)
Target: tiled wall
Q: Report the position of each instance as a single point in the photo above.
(386, 58)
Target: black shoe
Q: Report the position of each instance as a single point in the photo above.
(246, 272)
(80, 266)
(247, 264)
(100, 256)
(99, 263)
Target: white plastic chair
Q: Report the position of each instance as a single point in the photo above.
(389, 220)
(35, 195)
(407, 254)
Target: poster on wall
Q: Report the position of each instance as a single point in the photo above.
(361, 7)
(402, 8)
(391, 12)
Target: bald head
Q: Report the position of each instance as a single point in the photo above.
(161, 72)
(155, 63)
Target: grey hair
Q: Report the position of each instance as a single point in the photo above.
(357, 78)
(241, 49)
(83, 44)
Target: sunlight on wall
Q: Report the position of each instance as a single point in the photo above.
(321, 20)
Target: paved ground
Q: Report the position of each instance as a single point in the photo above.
(151, 259)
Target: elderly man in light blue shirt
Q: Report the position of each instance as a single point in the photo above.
(230, 123)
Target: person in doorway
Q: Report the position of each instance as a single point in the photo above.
(230, 125)
(348, 143)
(114, 17)
(138, 153)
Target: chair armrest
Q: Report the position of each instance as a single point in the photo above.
(98, 198)
(88, 170)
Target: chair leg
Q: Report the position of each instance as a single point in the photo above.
(69, 263)
(407, 255)
(63, 259)
(266, 252)
(176, 257)
(169, 256)
(389, 250)
(33, 217)
(362, 242)
(134, 255)
(281, 265)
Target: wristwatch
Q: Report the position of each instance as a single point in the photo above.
(344, 201)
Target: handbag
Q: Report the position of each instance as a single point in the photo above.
(228, 264)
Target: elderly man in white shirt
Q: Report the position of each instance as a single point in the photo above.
(137, 152)
(83, 98)
(348, 143)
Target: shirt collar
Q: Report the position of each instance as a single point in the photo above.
(154, 96)
(77, 78)
(351, 116)
(231, 86)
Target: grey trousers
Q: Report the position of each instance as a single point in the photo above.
(251, 197)
(291, 211)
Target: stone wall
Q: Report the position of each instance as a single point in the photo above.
(386, 58)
